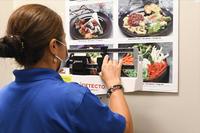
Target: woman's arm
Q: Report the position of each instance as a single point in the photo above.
(110, 74)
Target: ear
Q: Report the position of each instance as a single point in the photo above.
(53, 47)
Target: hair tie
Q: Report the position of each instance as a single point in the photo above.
(19, 39)
(22, 43)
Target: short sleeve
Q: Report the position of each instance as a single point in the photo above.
(92, 116)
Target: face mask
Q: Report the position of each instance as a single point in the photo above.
(62, 61)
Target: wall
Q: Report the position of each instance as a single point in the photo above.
(171, 113)
(155, 112)
(6, 65)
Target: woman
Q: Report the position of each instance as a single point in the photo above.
(39, 101)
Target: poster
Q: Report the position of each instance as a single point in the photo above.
(151, 26)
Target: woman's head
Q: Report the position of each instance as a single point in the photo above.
(32, 30)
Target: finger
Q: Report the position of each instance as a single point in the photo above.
(120, 63)
(115, 63)
(110, 61)
(106, 59)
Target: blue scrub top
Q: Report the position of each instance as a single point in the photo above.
(39, 101)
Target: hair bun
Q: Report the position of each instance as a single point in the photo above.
(11, 46)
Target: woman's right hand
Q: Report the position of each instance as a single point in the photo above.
(111, 72)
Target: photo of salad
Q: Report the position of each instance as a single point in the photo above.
(149, 20)
(155, 62)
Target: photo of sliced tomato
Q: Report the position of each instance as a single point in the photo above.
(156, 69)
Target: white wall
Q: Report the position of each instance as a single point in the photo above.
(6, 65)
(57, 5)
(155, 112)
(171, 113)
(5, 11)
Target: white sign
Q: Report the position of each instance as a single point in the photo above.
(149, 25)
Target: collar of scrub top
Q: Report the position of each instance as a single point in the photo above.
(35, 74)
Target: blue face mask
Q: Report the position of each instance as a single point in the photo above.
(62, 61)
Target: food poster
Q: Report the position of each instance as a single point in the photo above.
(151, 26)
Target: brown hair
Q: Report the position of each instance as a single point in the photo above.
(30, 29)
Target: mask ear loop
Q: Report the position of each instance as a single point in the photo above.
(61, 43)
(58, 58)
(62, 61)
